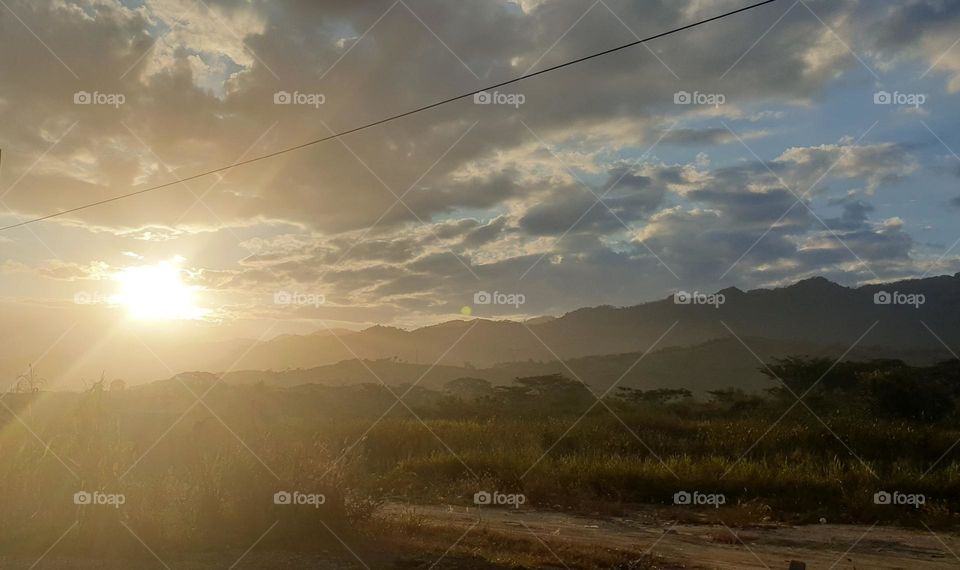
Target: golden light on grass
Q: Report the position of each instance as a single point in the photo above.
(158, 293)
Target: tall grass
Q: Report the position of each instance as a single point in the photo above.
(203, 475)
(188, 480)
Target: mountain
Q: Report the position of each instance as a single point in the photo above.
(715, 364)
(814, 311)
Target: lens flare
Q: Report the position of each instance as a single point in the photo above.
(157, 293)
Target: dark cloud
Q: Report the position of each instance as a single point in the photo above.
(904, 25)
(855, 213)
(610, 207)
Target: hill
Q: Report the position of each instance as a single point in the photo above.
(811, 311)
(712, 365)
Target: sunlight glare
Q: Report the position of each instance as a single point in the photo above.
(157, 293)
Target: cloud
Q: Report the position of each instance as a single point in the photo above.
(61, 270)
(925, 29)
(485, 234)
(877, 164)
(855, 214)
(175, 117)
(623, 198)
(487, 190)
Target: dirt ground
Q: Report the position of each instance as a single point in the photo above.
(266, 560)
(716, 546)
(671, 544)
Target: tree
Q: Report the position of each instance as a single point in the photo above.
(728, 395)
(468, 388)
(736, 400)
(513, 394)
(882, 387)
(903, 394)
(667, 395)
(553, 392)
(548, 384)
(556, 390)
(798, 373)
(659, 396)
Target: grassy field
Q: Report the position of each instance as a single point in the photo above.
(198, 465)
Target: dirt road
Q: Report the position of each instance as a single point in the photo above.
(716, 546)
(673, 545)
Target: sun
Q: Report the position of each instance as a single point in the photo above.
(157, 293)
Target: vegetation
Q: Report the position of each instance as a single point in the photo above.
(198, 463)
(863, 428)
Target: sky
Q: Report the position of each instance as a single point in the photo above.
(801, 138)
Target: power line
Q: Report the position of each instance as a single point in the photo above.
(391, 118)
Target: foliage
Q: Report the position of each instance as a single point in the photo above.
(203, 474)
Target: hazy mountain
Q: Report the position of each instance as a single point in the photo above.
(711, 365)
(814, 312)
(810, 311)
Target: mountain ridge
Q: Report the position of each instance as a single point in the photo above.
(811, 310)
(715, 364)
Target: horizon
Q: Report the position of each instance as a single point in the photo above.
(693, 308)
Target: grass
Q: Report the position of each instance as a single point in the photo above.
(199, 478)
(798, 471)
